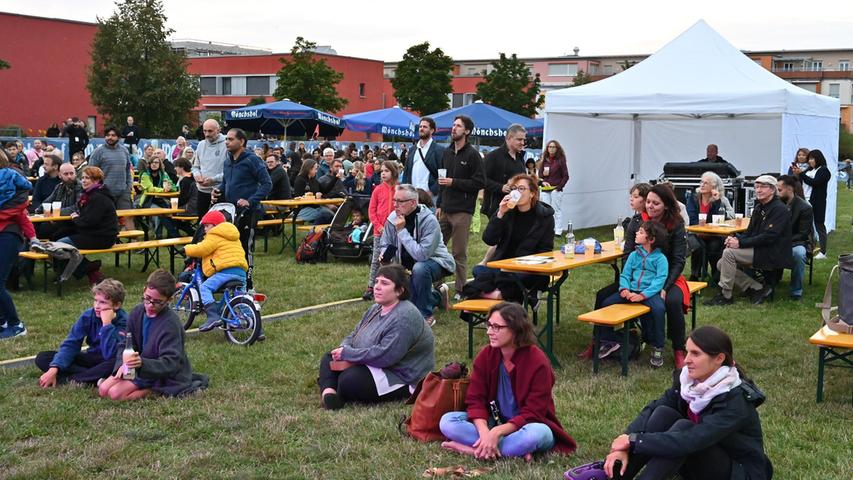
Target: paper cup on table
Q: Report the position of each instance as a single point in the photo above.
(718, 219)
(48, 209)
(57, 206)
(589, 246)
(174, 202)
(442, 173)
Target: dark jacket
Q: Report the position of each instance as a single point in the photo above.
(78, 138)
(350, 183)
(245, 177)
(164, 359)
(558, 172)
(42, 189)
(97, 225)
(67, 194)
(817, 197)
(729, 421)
(499, 167)
(280, 184)
(539, 239)
(131, 139)
(432, 159)
(332, 186)
(188, 195)
(304, 185)
(718, 207)
(675, 250)
(769, 233)
(104, 339)
(802, 222)
(465, 167)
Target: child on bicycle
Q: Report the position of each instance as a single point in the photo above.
(222, 260)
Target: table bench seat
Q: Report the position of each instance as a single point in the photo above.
(473, 312)
(836, 349)
(615, 316)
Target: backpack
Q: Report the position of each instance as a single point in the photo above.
(839, 318)
(313, 247)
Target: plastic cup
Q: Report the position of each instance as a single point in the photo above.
(57, 206)
(442, 173)
(174, 202)
(514, 197)
(718, 219)
(589, 246)
(739, 219)
(48, 209)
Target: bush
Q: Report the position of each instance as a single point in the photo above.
(845, 145)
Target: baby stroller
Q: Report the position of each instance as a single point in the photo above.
(346, 240)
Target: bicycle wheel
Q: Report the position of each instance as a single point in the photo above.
(187, 304)
(245, 325)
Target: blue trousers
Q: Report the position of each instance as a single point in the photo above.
(424, 274)
(798, 271)
(315, 215)
(10, 245)
(653, 323)
(214, 282)
(533, 437)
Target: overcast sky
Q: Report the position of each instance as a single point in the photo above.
(383, 30)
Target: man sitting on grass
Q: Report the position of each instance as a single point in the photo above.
(103, 329)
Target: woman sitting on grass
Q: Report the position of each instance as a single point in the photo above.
(159, 357)
(704, 427)
(510, 403)
(388, 353)
(103, 329)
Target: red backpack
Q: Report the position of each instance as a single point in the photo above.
(313, 247)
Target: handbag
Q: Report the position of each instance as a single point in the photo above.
(434, 397)
(843, 321)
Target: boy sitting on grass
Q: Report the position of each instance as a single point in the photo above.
(103, 329)
(641, 281)
(222, 260)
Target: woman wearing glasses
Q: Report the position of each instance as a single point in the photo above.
(158, 359)
(521, 226)
(509, 405)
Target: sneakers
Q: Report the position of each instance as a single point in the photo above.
(656, 358)
(719, 300)
(430, 320)
(678, 357)
(820, 256)
(457, 297)
(18, 330)
(608, 347)
(444, 293)
(757, 297)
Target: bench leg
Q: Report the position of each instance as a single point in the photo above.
(471, 337)
(596, 347)
(694, 304)
(117, 259)
(626, 344)
(821, 358)
(44, 268)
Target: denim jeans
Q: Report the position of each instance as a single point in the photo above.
(10, 245)
(214, 282)
(652, 323)
(315, 215)
(533, 437)
(798, 271)
(424, 274)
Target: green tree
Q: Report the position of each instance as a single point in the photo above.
(134, 70)
(581, 78)
(626, 64)
(307, 80)
(508, 86)
(256, 101)
(4, 64)
(422, 79)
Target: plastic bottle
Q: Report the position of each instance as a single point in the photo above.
(129, 373)
(569, 247)
(618, 233)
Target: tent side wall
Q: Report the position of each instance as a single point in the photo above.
(813, 132)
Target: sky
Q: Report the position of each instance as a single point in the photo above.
(476, 29)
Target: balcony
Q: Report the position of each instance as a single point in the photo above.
(811, 75)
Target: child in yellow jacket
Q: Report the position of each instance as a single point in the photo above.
(222, 260)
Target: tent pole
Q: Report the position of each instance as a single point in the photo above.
(638, 147)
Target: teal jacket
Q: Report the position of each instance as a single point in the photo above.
(644, 272)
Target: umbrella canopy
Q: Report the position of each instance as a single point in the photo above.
(285, 117)
(489, 121)
(392, 121)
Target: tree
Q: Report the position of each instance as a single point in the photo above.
(134, 70)
(305, 79)
(626, 64)
(508, 86)
(422, 79)
(581, 78)
(256, 101)
(4, 64)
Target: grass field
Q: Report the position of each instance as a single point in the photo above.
(261, 418)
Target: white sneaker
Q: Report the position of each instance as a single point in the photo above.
(457, 297)
(820, 256)
(444, 292)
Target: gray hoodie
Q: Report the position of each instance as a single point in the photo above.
(209, 161)
(426, 244)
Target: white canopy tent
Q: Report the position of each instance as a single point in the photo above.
(696, 90)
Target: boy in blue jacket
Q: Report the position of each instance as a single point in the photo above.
(641, 281)
(103, 327)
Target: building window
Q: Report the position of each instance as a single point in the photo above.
(208, 85)
(835, 90)
(817, 65)
(608, 69)
(456, 100)
(562, 69)
(788, 66)
(843, 65)
(361, 89)
(257, 85)
(226, 86)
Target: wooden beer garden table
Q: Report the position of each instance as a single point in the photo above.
(556, 264)
(126, 213)
(729, 227)
(171, 194)
(294, 205)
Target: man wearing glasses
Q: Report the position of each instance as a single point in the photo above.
(412, 238)
(766, 245)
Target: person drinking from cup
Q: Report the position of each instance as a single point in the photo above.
(707, 205)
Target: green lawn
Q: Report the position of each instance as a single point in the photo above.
(260, 418)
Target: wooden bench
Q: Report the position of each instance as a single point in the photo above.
(617, 315)
(266, 225)
(307, 228)
(150, 248)
(695, 289)
(835, 348)
(477, 309)
(185, 218)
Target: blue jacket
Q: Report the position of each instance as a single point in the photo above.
(105, 339)
(246, 177)
(644, 272)
(10, 182)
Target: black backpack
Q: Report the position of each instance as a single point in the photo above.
(313, 247)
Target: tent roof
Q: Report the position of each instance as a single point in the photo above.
(387, 121)
(697, 73)
(489, 121)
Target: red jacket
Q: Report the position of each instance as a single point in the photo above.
(18, 215)
(381, 205)
(532, 380)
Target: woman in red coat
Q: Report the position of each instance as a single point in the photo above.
(510, 407)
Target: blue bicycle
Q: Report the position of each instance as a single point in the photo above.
(241, 310)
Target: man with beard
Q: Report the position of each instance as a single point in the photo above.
(67, 192)
(45, 184)
(208, 163)
(424, 159)
(114, 161)
(802, 220)
(458, 191)
(500, 165)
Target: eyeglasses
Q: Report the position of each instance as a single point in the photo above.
(494, 326)
(399, 201)
(520, 188)
(151, 301)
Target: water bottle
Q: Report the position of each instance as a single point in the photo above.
(618, 233)
(129, 373)
(569, 247)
